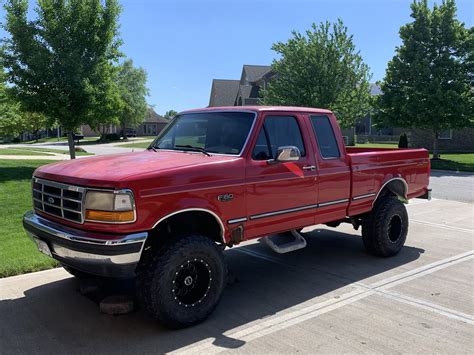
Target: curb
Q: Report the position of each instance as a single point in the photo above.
(467, 173)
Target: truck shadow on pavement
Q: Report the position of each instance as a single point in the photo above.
(56, 317)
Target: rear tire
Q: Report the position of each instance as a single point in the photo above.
(385, 230)
(182, 283)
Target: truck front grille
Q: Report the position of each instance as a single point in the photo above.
(60, 200)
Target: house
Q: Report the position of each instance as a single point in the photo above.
(151, 126)
(449, 141)
(243, 92)
(246, 91)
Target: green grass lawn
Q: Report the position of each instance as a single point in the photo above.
(36, 151)
(457, 162)
(18, 254)
(135, 145)
(14, 151)
(46, 140)
(377, 145)
(185, 140)
(61, 139)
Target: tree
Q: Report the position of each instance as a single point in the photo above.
(132, 87)
(321, 69)
(428, 82)
(33, 122)
(106, 103)
(170, 114)
(60, 62)
(9, 111)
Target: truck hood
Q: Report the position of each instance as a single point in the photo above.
(111, 170)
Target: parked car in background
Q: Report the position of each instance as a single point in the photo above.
(129, 132)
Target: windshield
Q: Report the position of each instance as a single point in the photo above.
(213, 132)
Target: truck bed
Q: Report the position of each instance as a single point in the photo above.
(372, 167)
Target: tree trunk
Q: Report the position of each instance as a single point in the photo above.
(70, 141)
(435, 145)
(124, 133)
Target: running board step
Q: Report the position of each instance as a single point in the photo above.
(285, 242)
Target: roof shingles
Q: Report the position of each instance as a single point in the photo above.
(223, 92)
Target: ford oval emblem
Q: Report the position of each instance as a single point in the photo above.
(50, 200)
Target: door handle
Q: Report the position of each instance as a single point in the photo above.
(309, 167)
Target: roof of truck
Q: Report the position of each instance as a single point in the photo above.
(261, 109)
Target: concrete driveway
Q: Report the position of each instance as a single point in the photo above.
(330, 297)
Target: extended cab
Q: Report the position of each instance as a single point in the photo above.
(212, 179)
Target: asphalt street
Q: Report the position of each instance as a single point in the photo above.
(331, 297)
(450, 185)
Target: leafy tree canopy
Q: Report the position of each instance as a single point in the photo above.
(60, 62)
(428, 83)
(132, 87)
(9, 111)
(170, 114)
(321, 69)
(14, 120)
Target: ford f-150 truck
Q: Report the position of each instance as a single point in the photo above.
(214, 178)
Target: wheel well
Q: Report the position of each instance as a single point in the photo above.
(185, 223)
(394, 187)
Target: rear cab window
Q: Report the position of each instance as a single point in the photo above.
(277, 131)
(325, 137)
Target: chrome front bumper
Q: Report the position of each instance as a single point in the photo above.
(89, 252)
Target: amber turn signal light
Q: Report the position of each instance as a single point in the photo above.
(110, 216)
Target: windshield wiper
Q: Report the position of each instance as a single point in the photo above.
(153, 148)
(192, 147)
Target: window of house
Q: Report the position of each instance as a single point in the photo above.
(277, 131)
(447, 134)
(327, 143)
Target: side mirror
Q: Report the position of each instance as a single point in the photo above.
(288, 153)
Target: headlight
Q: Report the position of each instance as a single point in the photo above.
(112, 207)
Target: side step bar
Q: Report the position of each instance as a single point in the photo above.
(285, 242)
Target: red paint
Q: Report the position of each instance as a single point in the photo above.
(165, 182)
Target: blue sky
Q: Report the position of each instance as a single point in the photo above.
(184, 44)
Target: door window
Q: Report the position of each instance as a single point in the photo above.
(277, 131)
(327, 143)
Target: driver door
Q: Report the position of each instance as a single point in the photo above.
(280, 195)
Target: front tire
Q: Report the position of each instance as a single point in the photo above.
(182, 284)
(385, 230)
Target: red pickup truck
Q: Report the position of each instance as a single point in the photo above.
(214, 178)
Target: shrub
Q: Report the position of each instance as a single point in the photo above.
(112, 137)
(403, 141)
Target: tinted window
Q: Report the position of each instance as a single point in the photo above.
(281, 131)
(261, 152)
(216, 132)
(325, 135)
